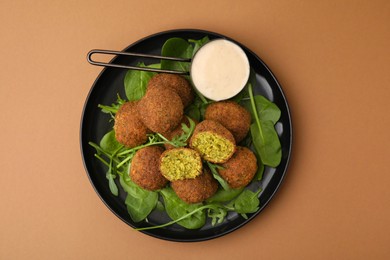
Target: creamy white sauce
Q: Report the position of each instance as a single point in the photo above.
(220, 69)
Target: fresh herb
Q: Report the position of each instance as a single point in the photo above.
(198, 43)
(176, 208)
(214, 171)
(264, 135)
(193, 214)
(136, 82)
(139, 202)
(113, 109)
(179, 48)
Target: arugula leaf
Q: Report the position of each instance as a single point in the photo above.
(214, 172)
(136, 82)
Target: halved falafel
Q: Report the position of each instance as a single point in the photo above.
(240, 169)
(175, 82)
(213, 141)
(128, 127)
(145, 170)
(180, 163)
(232, 116)
(196, 190)
(161, 110)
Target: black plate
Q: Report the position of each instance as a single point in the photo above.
(94, 124)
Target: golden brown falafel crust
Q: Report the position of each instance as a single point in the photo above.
(145, 170)
(240, 169)
(176, 132)
(129, 129)
(160, 110)
(196, 190)
(232, 116)
(177, 83)
(214, 128)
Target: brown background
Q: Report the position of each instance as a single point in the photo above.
(332, 59)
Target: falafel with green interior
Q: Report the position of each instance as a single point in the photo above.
(196, 190)
(180, 164)
(213, 141)
(232, 116)
(175, 82)
(240, 169)
(128, 127)
(145, 170)
(161, 110)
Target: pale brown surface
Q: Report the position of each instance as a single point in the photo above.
(333, 61)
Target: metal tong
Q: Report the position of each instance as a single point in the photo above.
(118, 53)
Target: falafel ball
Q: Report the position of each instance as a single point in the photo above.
(129, 129)
(145, 170)
(180, 164)
(175, 82)
(232, 116)
(196, 190)
(161, 110)
(176, 132)
(213, 141)
(240, 169)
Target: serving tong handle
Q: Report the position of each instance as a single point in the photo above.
(119, 53)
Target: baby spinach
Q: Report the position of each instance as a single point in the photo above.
(179, 48)
(136, 82)
(198, 43)
(176, 209)
(246, 202)
(109, 143)
(264, 135)
(223, 195)
(139, 202)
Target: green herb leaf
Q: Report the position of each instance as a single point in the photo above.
(176, 208)
(109, 143)
(224, 195)
(179, 48)
(247, 202)
(214, 172)
(139, 202)
(264, 136)
(198, 43)
(193, 112)
(136, 82)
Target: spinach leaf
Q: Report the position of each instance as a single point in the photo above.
(193, 112)
(179, 48)
(109, 143)
(266, 143)
(198, 43)
(139, 202)
(136, 82)
(247, 202)
(176, 208)
(264, 135)
(224, 195)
